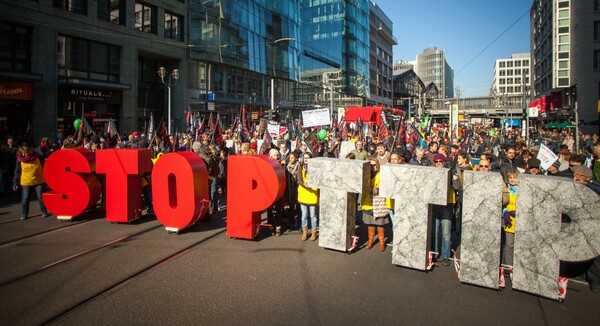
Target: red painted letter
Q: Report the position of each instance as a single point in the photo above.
(254, 182)
(180, 190)
(123, 182)
(75, 189)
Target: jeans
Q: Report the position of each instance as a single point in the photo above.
(25, 200)
(443, 215)
(305, 209)
(215, 199)
(508, 248)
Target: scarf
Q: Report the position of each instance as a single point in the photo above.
(26, 159)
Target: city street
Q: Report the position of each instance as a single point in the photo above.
(93, 272)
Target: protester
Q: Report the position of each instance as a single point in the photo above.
(308, 198)
(291, 190)
(359, 152)
(275, 211)
(509, 202)
(30, 176)
(374, 209)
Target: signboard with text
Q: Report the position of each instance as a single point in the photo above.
(16, 90)
(318, 117)
(97, 95)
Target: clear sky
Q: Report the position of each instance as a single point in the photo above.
(462, 28)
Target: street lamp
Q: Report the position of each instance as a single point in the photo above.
(173, 77)
(274, 74)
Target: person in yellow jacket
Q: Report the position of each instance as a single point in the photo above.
(308, 198)
(375, 217)
(29, 174)
(509, 200)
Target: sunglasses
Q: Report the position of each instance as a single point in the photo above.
(439, 161)
(484, 166)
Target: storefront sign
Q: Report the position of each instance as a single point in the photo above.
(81, 94)
(180, 189)
(16, 90)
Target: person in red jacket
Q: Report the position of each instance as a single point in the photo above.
(29, 174)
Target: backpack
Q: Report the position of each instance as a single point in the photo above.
(211, 162)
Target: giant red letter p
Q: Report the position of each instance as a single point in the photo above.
(254, 182)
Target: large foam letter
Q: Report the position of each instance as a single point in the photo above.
(180, 190)
(75, 189)
(540, 241)
(254, 182)
(413, 188)
(481, 228)
(123, 182)
(338, 181)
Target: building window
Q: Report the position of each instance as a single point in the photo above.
(596, 60)
(563, 82)
(173, 26)
(15, 47)
(87, 59)
(596, 5)
(76, 6)
(112, 11)
(597, 30)
(145, 18)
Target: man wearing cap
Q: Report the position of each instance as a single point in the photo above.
(533, 166)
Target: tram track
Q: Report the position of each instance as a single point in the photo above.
(37, 234)
(103, 293)
(74, 256)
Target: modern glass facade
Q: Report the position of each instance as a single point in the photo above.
(239, 47)
(244, 33)
(335, 38)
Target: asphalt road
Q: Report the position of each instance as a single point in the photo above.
(91, 272)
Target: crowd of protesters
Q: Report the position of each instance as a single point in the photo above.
(482, 148)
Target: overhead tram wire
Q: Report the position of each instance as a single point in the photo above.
(494, 41)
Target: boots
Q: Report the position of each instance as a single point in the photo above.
(304, 234)
(381, 236)
(313, 235)
(371, 231)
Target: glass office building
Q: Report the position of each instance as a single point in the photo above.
(309, 50)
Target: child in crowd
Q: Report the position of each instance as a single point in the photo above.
(509, 203)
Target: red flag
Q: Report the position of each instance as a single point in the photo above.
(383, 133)
(312, 143)
(218, 133)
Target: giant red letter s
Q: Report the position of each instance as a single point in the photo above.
(123, 181)
(254, 182)
(179, 190)
(75, 189)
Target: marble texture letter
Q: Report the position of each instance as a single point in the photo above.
(540, 238)
(481, 228)
(338, 181)
(414, 188)
(346, 147)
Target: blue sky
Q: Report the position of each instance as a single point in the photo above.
(462, 28)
